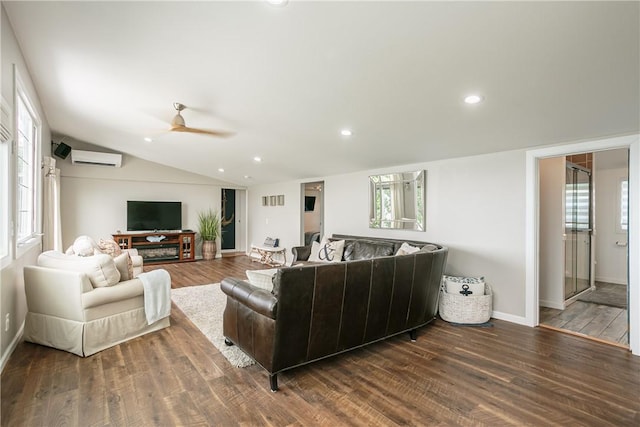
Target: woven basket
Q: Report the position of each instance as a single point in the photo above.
(457, 308)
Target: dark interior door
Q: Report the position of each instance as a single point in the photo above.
(228, 218)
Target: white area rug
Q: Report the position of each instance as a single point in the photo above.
(204, 306)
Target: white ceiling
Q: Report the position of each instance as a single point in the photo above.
(285, 80)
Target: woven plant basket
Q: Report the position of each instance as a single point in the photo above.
(465, 309)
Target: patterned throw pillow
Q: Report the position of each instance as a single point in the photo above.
(109, 247)
(454, 285)
(327, 251)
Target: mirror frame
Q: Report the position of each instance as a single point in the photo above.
(378, 184)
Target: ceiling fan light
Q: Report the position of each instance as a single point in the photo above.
(178, 120)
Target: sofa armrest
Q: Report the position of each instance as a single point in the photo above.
(257, 299)
(108, 294)
(301, 253)
(55, 292)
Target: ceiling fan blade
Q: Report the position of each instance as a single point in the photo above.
(201, 131)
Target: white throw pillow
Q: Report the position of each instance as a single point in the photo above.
(124, 265)
(101, 269)
(454, 285)
(407, 249)
(84, 246)
(262, 278)
(327, 251)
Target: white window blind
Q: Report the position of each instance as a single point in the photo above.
(624, 205)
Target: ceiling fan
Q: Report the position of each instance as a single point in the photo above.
(178, 124)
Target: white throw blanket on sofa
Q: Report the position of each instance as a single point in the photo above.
(157, 294)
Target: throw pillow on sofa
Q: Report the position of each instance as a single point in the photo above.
(407, 249)
(101, 269)
(124, 264)
(454, 284)
(84, 246)
(327, 251)
(109, 247)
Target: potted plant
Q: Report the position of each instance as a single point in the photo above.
(209, 227)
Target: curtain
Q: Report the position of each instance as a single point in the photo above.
(51, 228)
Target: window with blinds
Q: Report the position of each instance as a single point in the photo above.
(26, 167)
(623, 217)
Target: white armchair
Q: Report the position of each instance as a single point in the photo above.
(81, 305)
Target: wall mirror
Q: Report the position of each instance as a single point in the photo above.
(397, 200)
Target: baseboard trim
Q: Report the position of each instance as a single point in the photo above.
(510, 318)
(14, 343)
(552, 304)
(611, 280)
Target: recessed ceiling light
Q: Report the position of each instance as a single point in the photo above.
(146, 138)
(257, 159)
(277, 2)
(473, 99)
(247, 177)
(346, 132)
(220, 170)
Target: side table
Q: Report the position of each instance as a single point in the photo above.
(266, 255)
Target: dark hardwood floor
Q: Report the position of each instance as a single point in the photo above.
(501, 375)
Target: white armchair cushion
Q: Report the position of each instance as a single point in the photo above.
(101, 269)
(124, 266)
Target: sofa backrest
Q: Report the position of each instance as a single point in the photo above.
(356, 247)
(328, 308)
(101, 268)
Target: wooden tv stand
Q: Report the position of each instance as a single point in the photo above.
(176, 246)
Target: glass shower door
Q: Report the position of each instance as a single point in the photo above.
(578, 230)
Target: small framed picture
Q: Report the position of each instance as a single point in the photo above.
(273, 200)
(281, 200)
(265, 201)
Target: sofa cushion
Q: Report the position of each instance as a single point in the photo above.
(367, 249)
(262, 278)
(407, 249)
(101, 269)
(124, 265)
(84, 246)
(109, 247)
(327, 251)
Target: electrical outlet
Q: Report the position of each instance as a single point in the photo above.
(7, 322)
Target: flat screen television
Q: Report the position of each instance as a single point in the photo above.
(149, 216)
(309, 203)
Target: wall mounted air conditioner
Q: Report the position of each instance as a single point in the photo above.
(79, 157)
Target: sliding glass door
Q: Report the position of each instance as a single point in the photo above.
(578, 230)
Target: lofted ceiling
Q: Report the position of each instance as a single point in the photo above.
(286, 80)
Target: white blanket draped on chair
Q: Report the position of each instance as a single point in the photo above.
(157, 294)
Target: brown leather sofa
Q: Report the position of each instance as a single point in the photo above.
(320, 310)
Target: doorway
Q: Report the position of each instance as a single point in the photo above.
(232, 213)
(591, 298)
(312, 211)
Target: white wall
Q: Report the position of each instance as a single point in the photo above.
(611, 259)
(552, 179)
(475, 206)
(312, 218)
(12, 299)
(94, 198)
(282, 222)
